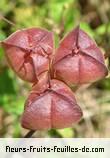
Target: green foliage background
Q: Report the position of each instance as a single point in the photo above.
(60, 16)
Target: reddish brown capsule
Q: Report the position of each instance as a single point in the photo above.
(28, 52)
(78, 59)
(50, 105)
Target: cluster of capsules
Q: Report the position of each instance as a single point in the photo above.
(32, 56)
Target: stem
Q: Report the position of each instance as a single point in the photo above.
(29, 134)
(5, 19)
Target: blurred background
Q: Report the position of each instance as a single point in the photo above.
(59, 16)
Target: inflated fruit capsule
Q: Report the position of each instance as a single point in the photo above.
(51, 104)
(78, 60)
(28, 52)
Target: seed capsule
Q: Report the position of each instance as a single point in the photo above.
(28, 52)
(78, 59)
(50, 105)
